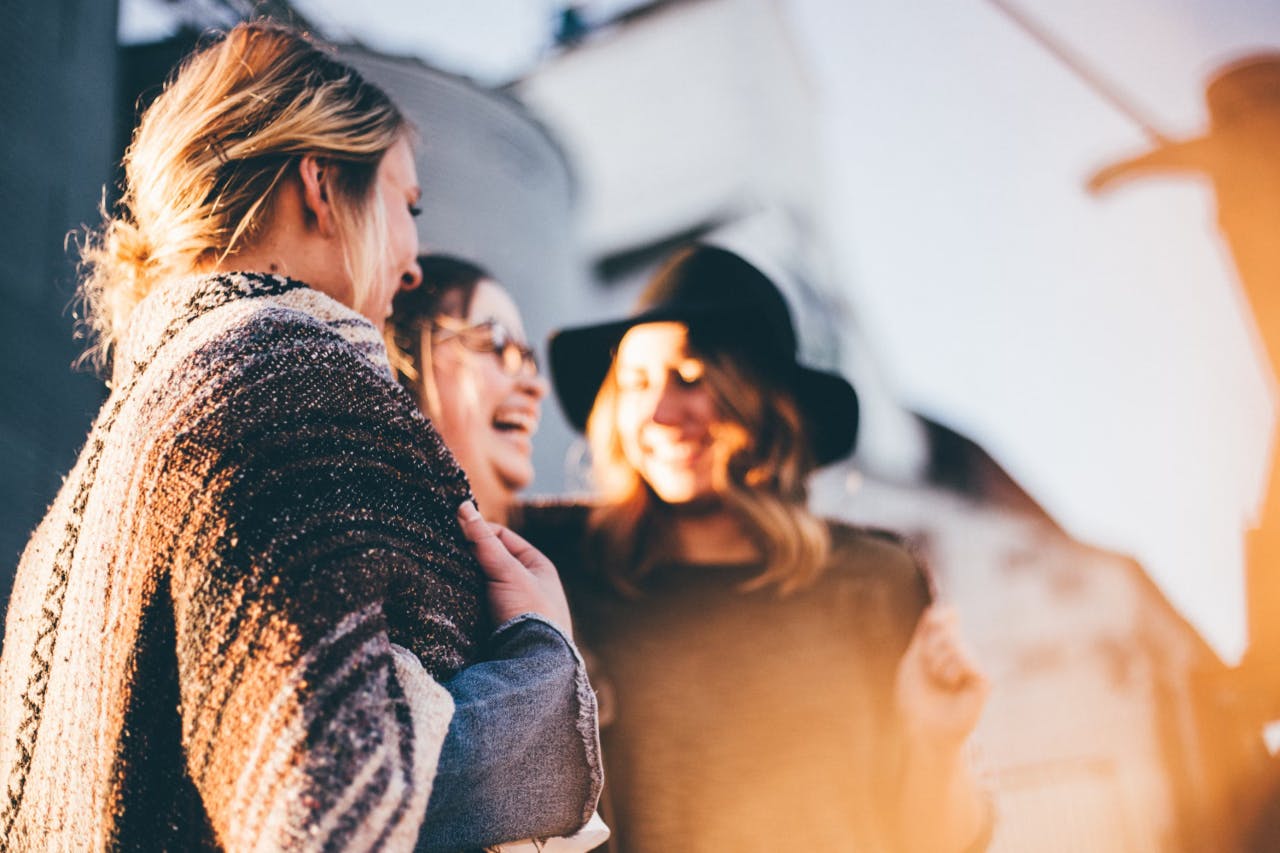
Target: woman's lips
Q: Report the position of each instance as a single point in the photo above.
(675, 452)
(521, 421)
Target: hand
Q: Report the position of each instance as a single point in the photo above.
(520, 578)
(940, 691)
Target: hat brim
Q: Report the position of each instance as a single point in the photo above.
(581, 358)
(1200, 154)
(829, 407)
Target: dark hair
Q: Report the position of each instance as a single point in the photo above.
(448, 286)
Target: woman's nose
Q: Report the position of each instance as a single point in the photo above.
(533, 383)
(667, 409)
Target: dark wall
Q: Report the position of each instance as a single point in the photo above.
(58, 111)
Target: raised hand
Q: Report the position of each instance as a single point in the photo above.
(940, 690)
(520, 578)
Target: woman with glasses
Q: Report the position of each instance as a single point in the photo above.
(457, 343)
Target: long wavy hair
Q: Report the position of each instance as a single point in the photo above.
(209, 155)
(759, 474)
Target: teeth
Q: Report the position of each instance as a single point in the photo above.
(675, 452)
(517, 420)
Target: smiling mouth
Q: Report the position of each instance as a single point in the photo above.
(681, 453)
(519, 422)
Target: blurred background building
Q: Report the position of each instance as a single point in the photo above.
(1110, 724)
(632, 128)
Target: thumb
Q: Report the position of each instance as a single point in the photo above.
(493, 556)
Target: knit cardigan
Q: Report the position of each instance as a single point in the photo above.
(229, 629)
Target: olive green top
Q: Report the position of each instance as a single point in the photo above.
(745, 721)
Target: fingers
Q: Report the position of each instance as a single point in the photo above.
(542, 571)
(474, 527)
(952, 671)
(529, 556)
(497, 562)
(928, 634)
(943, 654)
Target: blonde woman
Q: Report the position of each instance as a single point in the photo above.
(782, 682)
(232, 628)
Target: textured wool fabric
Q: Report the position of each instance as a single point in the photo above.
(745, 721)
(228, 630)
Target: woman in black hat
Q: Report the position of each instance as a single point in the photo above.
(782, 682)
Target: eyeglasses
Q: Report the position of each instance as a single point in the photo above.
(514, 355)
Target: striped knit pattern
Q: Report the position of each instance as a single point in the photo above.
(227, 631)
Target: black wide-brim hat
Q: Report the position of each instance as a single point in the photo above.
(728, 305)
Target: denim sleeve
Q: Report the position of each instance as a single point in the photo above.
(522, 755)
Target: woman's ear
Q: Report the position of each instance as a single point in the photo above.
(315, 173)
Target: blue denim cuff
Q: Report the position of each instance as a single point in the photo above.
(522, 756)
(529, 617)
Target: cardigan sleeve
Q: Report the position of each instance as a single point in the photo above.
(320, 590)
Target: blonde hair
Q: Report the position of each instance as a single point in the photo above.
(201, 173)
(760, 475)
